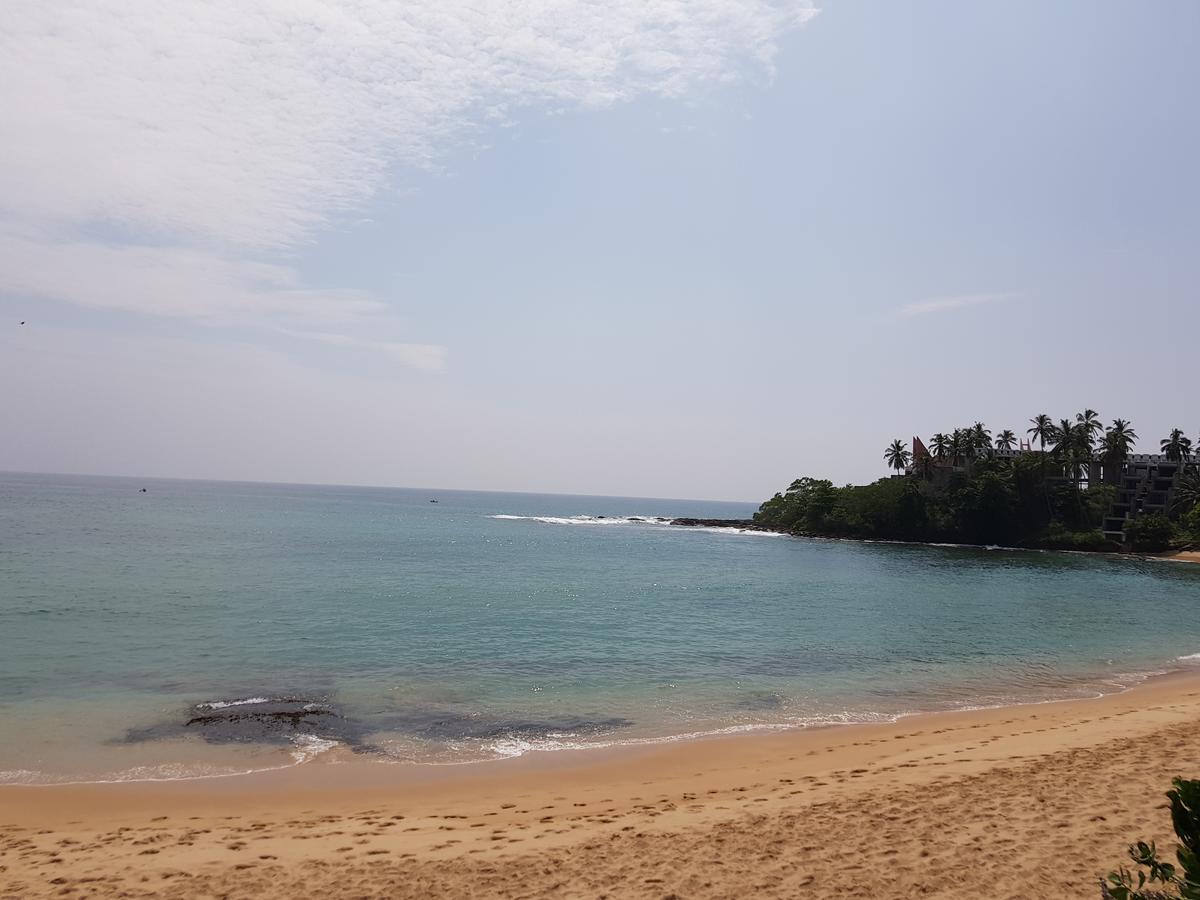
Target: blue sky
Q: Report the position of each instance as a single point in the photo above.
(589, 248)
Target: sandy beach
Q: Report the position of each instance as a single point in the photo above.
(1192, 556)
(1024, 801)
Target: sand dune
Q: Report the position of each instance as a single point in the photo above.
(1020, 802)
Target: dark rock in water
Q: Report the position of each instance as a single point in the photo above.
(760, 700)
(265, 721)
(744, 524)
(279, 721)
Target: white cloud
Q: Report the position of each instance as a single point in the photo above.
(945, 304)
(214, 136)
(180, 281)
(429, 357)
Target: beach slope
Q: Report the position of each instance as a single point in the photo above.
(1032, 801)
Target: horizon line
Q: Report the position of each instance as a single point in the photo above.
(388, 487)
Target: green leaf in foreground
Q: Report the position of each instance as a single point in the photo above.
(1124, 884)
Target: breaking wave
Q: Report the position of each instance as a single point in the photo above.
(643, 521)
(225, 704)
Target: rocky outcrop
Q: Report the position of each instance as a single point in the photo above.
(744, 524)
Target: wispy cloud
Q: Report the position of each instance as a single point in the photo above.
(428, 357)
(217, 138)
(945, 304)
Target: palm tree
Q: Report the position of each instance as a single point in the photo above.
(1005, 439)
(1118, 441)
(957, 446)
(940, 444)
(1115, 447)
(897, 455)
(1069, 440)
(925, 467)
(981, 438)
(969, 447)
(1065, 438)
(1177, 447)
(1090, 425)
(1187, 492)
(1042, 430)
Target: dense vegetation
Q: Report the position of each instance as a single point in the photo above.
(962, 492)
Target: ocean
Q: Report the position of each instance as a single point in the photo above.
(205, 628)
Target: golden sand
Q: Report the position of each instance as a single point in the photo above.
(1192, 556)
(1032, 801)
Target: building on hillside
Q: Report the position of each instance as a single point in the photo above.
(1145, 482)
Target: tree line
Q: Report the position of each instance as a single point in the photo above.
(983, 497)
(1075, 443)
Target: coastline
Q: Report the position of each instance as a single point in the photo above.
(1188, 556)
(1040, 797)
(747, 525)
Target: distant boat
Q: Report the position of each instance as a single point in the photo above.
(433, 501)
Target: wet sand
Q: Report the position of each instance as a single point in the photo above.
(1033, 801)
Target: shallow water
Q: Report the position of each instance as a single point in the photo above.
(371, 621)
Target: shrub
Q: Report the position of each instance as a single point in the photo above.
(1059, 538)
(1191, 523)
(1183, 882)
(1151, 533)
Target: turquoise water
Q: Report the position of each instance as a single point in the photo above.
(372, 623)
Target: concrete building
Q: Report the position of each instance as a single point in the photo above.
(1145, 482)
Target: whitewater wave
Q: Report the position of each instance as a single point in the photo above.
(225, 704)
(509, 747)
(305, 748)
(309, 746)
(643, 521)
(135, 775)
(1191, 657)
(589, 520)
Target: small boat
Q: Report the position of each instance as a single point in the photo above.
(433, 501)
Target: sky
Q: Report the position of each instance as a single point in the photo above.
(636, 247)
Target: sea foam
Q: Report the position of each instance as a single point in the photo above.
(225, 704)
(644, 521)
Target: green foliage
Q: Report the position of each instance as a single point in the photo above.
(897, 455)
(1190, 523)
(1184, 881)
(1042, 430)
(1098, 500)
(1151, 533)
(1187, 492)
(1185, 816)
(1058, 537)
(1000, 501)
(805, 507)
(1177, 446)
(889, 509)
(964, 492)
